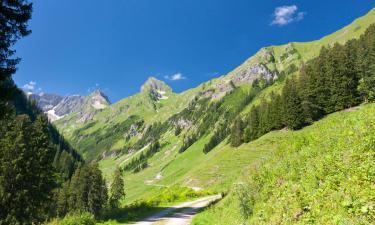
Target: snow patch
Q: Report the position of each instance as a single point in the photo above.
(52, 115)
(162, 94)
(98, 105)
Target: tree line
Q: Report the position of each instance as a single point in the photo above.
(139, 163)
(342, 76)
(87, 192)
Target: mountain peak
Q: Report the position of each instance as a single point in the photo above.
(98, 99)
(154, 84)
(99, 93)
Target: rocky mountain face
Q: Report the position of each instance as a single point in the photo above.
(45, 101)
(156, 89)
(91, 105)
(56, 106)
(68, 104)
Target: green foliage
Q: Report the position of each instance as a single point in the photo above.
(26, 170)
(245, 200)
(365, 65)
(140, 162)
(322, 174)
(188, 140)
(117, 189)
(177, 130)
(292, 103)
(164, 197)
(75, 219)
(91, 144)
(232, 105)
(173, 194)
(336, 80)
(15, 15)
(86, 192)
(152, 134)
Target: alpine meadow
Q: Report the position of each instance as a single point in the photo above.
(287, 137)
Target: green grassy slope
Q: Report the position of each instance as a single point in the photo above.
(323, 170)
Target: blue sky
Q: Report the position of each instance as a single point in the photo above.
(115, 45)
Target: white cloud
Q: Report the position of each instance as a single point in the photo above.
(29, 86)
(284, 15)
(177, 76)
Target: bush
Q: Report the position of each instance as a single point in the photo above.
(246, 200)
(80, 219)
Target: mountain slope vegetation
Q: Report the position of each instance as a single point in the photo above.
(322, 174)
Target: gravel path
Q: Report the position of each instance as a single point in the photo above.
(181, 214)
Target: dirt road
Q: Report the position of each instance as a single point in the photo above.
(181, 214)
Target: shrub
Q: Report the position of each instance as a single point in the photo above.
(79, 219)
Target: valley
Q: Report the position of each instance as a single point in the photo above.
(287, 137)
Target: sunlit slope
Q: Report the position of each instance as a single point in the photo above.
(322, 170)
(117, 115)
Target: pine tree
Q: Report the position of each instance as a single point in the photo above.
(251, 131)
(26, 172)
(87, 190)
(365, 65)
(275, 111)
(117, 189)
(62, 201)
(309, 110)
(237, 132)
(293, 114)
(264, 118)
(97, 190)
(13, 22)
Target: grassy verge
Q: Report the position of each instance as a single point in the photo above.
(165, 198)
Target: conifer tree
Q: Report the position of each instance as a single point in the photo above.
(366, 65)
(117, 189)
(251, 131)
(264, 118)
(237, 132)
(97, 190)
(275, 111)
(13, 22)
(26, 171)
(293, 114)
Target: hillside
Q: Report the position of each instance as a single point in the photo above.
(323, 170)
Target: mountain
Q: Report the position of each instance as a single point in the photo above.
(45, 101)
(57, 107)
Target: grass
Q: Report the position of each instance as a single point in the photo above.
(322, 174)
